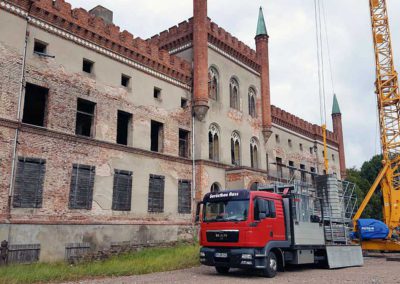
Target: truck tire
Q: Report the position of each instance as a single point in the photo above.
(222, 269)
(271, 265)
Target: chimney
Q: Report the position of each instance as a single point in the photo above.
(104, 13)
(200, 59)
(263, 59)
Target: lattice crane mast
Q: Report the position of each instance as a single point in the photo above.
(388, 96)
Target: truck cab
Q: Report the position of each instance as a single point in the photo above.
(239, 227)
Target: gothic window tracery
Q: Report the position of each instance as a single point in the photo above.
(252, 103)
(234, 94)
(235, 148)
(213, 142)
(213, 83)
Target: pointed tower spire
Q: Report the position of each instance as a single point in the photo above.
(335, 106)
(261, 28)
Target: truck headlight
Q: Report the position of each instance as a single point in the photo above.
(202, 254)
(247, 256)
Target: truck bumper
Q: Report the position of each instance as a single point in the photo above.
(233, 257)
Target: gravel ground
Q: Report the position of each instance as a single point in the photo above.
(375, 270)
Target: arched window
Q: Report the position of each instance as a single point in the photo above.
(213, 142)
(252, 103)
(254, 152)
(213, 83)
(234, 93)
(235, 148)
(215, 187)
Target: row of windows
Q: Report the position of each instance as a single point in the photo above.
(88, 66)
(234, 95)
(35, 113)
(28, 190)
(290, 144)
(213, 147)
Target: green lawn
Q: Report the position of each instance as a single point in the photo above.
(146, 261)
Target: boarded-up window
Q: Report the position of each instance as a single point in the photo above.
(184, 197)
(122, 191)
(156, 194)
(82, 181)
(29, 181)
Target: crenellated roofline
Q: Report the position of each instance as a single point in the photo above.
(182, 34)
(86, 26)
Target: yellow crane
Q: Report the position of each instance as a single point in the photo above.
(388, 96)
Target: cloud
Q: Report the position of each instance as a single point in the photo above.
(294, 80)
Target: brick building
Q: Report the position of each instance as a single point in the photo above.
(98, 137)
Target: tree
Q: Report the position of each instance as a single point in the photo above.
(364, 178)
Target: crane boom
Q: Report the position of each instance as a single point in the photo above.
(388, 97)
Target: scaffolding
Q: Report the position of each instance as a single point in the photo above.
(328, 201)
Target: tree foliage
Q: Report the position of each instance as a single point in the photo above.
(364, 178)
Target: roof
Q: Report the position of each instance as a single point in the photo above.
(335, 106)
(261, 28)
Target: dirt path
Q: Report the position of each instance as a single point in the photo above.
(375, 270)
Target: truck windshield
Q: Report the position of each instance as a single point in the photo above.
(226, 211)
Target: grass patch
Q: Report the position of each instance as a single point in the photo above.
(142, 262)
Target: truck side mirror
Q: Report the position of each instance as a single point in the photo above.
(262, 216)
(197, 218)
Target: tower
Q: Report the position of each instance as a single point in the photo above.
(200, 59)
(338, 130)
(263, 60)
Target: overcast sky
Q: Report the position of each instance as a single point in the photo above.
(293, 61)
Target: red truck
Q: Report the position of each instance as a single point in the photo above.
(264, 231)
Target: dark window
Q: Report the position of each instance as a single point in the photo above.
(123, 127)
(213, 83)
(279, 171)
(215, 187)
(85, 118)
(333, 157)
(290, 142)
(267, 161)
(29, 181)
(252, 103)
(303, 173)
(87, 66)
(213, 143)
(157, 93)
(254, 156)
(184, 103)
(254, 186)
(82, 182)
(125, 80)
(156, 194)
(122, 191)
(234, 94)
(311, 150)
(183, 143)
(40, 47)
(313, 174)
(35, 105)
(184, 197)
(157, 135)
(291, 169)
(235, 149)
(301, 147)
(277, 139)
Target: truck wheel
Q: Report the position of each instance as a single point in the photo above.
(222, 269)
(271, 265)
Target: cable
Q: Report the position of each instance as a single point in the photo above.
(318, 60)
(328, 45)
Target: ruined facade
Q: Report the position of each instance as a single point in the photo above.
(106, 137)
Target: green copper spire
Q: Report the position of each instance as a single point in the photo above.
(261, 28)
(335, 106)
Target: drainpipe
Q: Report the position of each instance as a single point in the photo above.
(21, 92)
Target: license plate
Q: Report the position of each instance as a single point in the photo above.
(221, 254)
